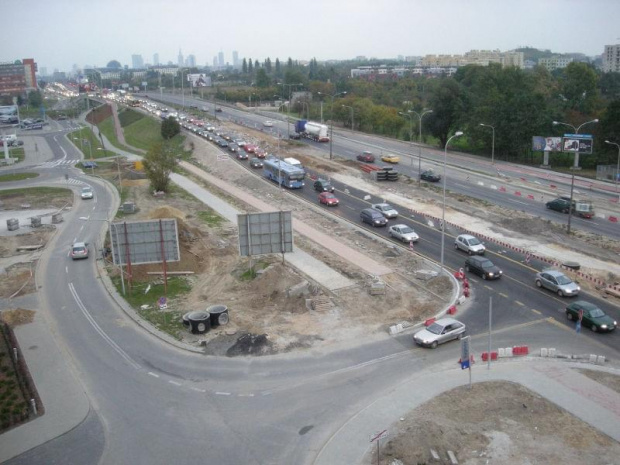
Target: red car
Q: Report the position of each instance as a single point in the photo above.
(260, 153)
(250, 148)
(328, 199)
(367, 157)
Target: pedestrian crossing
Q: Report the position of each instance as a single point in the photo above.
(57, 163)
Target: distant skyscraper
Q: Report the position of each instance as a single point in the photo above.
(180, 60)
(155, 59)
(611, 58)
(220, 59)
(235, 59)
(137, 62)
(215, 62)
(191, 61)
(43, 71)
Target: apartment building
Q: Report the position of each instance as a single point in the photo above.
(611, 59)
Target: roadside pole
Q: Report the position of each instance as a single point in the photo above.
(489, 352)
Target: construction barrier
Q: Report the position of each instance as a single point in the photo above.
(452, 310)
(429, 322)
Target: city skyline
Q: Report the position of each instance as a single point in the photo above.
(347, 29)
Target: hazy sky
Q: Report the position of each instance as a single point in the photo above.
(59, 33)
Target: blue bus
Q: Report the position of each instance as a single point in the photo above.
(283, 173)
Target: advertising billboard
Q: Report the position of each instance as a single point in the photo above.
(546, 144)
(199, 80)
(577, 145)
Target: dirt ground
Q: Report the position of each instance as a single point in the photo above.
(497, 423)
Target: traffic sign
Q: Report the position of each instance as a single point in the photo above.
(465, 352)
(527, 257)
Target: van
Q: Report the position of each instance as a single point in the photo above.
(373, 217)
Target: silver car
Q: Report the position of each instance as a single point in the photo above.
(386, 210)
(404, 233)
(557, 281)
(442, 330)
(469, 244)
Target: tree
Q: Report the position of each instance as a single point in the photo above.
(578, 83)
(262, 80)
(446, 104)
(159, 162)
(289, 64)
(244, 67)
(170, 127)
(256, 65)
(34, 99)
(268, 65)
(250, 66)
(278, 68)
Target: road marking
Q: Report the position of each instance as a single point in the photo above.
(266, 393)
(97, 328)
(66, 269)
(218, 393)
(519, 303)
(246, 395)
(153, 374)
(536, 311)
(174, 382)
(522, 203)
(197, 389)
(503, 295)
(488, 287)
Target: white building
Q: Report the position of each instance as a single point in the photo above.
(555, 62)
(611, 59)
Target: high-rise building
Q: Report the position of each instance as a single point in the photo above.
(220, 59)
(611, 59)
(180, 60)
(555, 62)
(18, 78)
(43, 71)
(155, 59)
(137, 62)
(235, 59)
(191, 61)
(215, 62)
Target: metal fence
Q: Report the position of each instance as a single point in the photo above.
(607, 172)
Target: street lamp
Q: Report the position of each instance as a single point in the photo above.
(575, 167)
(492, 143)
(617, 167)
(352, 110)
(331, 117)
(443, 213)
(288, 107)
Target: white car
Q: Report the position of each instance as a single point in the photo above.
(87, 193)
(268, 124)
(442, 330)
(469, 244)
(386, 210)
(404, 233)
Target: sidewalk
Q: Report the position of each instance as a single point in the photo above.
(558, 382)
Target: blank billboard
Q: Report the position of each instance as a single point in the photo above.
(265, 233)
(147, 241)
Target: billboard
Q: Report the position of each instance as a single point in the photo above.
(199, 80)
(546, 144)
(145, 241)
(577, 144)
(265, 233)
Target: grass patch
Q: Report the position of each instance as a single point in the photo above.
(143, 133)
(17, 177)
(128, 117)
(250, 274)
(17, 152)
(107, 129)
(89, 144)
(37, 192)
(210, 218)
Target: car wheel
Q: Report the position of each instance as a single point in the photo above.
(538, 283)
(460, 336)
(594, 328)
(560, 293)
(434, 345)
(569, 316)
(456, 247)
(467, 268)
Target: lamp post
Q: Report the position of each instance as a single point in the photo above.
(331, 119)
(443, 213)
(288, 107)
(352, 110)
(575, 166)
(617, 167)
(492, 142)
(420, 116)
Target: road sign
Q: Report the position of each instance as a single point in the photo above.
(379, 435)
(465, 352)
(527, 257)
(161, 302)
(411, 245)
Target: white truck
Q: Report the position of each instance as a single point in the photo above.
(315, 131)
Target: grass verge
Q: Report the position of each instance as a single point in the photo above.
(89, 144)
(17, 177)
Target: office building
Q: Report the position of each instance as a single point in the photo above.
(18, 78)
(555, 62)
(190, 61)
(155, 59)
(611, 59)
(235, 56)
(137, 62)
(180, 60)
(220, 59)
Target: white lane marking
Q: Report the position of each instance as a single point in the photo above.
(522, 203)
(266, 393)
(246, 395)
(153, 374)
(66, 269)
(218, 393)
(198, 389)
(97, 328)
(174, 382)
(461, 185)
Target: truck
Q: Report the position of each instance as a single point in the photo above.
(311, 130)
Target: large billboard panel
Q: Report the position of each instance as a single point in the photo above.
(265, 233)
(546, 144)
(577, 145)
(199, 80)
(146, 241)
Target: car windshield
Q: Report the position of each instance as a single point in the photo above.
(406, 230)
(562, 279)
(487, 264)
(596, 313)
(435, 328)
(474, 241)
(330, 196)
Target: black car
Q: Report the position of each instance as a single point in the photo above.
(233, 147)
(256, 163)
(218, 109)
(323, 185)
(430, 176)
(295, 136)
(373, 217)
(560, 205)
(482, 267)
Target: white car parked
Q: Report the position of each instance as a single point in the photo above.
(470, 244)
(404, 233)
(386, 210)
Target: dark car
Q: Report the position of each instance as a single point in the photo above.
(592, 316)
(373, 217)
(241, 155)
(255, 163)
(559, 205)
(323, 185)
(295, 136)
(482, 267)
(430, 176)
(366, 156)
(233, 147)
(218, 109)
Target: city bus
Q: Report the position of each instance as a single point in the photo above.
(283, 173)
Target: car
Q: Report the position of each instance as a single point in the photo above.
(221, 142)
(260, 153)
(268, 124)
(79, 250)
(256, 163)
(483, 267)
(557, 281)
(217, 109)
(250, 148)
(373, 217)
(390, 158)
(559, 204)
(591, 316)
(328, 199)
(16, 143)
(323, 185)
(87, 193)
(386, 210)
(439, 332)
(294, 136)
(240, 142)
(403, 233)
(430, 176)
(469, 244)
(241, 155)
(210, 137)
(366, 157)
(233, 147)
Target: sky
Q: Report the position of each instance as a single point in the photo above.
(61, 33)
